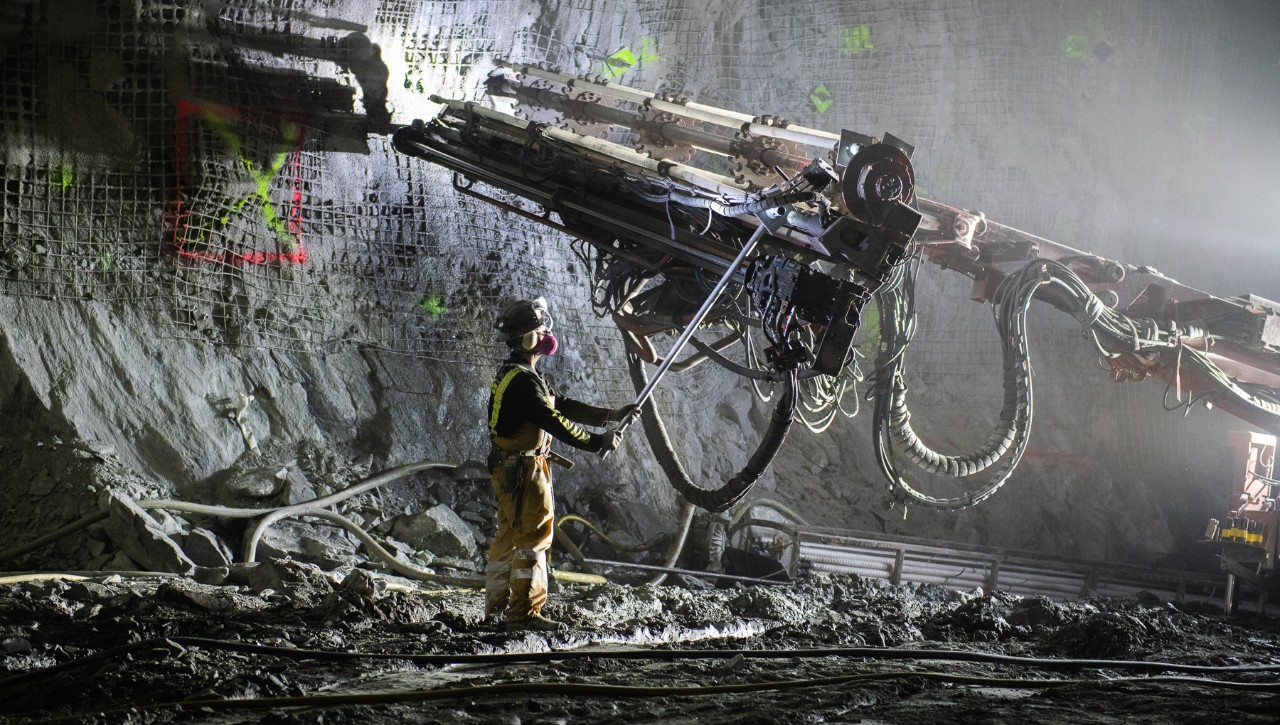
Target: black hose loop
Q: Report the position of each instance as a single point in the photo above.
(736, 488)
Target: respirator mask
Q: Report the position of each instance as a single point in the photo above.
(544, 345)
(547, 346)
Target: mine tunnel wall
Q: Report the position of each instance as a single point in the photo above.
(201, 202)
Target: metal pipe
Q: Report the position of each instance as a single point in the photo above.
(798, 134)
(692, 327)
(702, 112)
(860, 571)
(709, 114)
(698, 138)
(704, 179)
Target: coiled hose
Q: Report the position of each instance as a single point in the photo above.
(892, 419)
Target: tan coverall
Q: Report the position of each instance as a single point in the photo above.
(523, 417)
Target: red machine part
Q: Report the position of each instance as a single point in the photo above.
(1240, 335)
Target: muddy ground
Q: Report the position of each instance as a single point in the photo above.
(113, 650)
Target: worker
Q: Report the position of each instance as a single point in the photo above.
(524, 415)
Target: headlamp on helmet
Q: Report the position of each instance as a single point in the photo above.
(522, 317)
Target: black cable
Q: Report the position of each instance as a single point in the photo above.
(876, 653)
(526, 689)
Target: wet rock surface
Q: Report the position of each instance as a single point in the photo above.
(631, 654)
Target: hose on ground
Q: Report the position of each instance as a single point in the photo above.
(617, 545)
(533, 689)
(178, 645)
(76, 576)
(561, 655)
(405, 569)
(314, 507)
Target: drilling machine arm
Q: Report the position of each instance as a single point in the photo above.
(666, 193)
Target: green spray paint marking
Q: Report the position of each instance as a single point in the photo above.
(648, 50)
(433, 305)
(624, 60)
(262, 193)
(857, 38)
(619, 63)
(1079, 44)
(821, 98)
(104, 265)
(869, 326)
(65, 176)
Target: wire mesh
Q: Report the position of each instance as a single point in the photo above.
(230, 162)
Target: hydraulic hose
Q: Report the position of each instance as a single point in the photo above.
(677, 546)
(408, 570)
(746, 208)
(723, 498)
(617, 545)
(747, 372)
(785, 510)
(305, 508)
(891, 420)
(1013, 415)
(1115, 333)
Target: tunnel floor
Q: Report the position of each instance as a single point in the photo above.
(831, 649)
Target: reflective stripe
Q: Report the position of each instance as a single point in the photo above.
(499, 388)
(522, 573)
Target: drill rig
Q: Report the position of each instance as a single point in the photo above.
(805, 229)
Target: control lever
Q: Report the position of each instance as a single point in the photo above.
(692, 327)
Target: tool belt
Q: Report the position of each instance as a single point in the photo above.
(499, 458)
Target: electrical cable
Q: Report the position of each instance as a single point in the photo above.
(527, 689)
(590, 689)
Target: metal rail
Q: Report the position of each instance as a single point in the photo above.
(907, 560)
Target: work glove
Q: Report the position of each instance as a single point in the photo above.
(621, 415)
(612, 439)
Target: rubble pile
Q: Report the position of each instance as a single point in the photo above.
(286, 629)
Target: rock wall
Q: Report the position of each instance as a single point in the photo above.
(201, 205)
